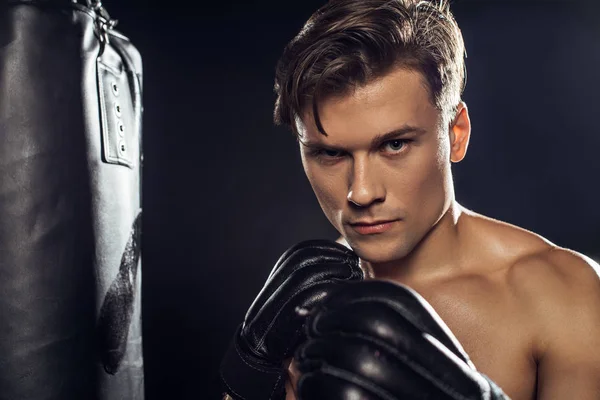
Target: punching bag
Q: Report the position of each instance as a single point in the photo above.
(70, 204)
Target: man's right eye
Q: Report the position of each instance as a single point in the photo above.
(331, 153)
(325, 153)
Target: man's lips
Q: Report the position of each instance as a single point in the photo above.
(365, 222)
(371, 227)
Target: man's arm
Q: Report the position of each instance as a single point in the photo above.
(569, 361)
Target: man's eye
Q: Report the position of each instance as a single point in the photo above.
(395, 146)
(326, 153)
(331, 153)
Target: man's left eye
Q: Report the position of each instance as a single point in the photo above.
(395, 145)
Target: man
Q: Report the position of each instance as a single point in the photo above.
(372, 89)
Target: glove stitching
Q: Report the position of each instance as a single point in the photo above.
(242, 357)
(268, 329)
(275, 387)
(349, 260)
(233, 391)
(310, 245)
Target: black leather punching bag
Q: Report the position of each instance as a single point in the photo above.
(70, 204)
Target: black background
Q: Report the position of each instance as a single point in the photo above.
(224, 191)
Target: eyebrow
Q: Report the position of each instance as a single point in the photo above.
(377, 140)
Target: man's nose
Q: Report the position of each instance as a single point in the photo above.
(365, 184)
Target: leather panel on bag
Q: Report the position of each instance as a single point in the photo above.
(119, 117)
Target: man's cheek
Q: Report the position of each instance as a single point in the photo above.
(328, 191)
(330, 204)
(431, 193)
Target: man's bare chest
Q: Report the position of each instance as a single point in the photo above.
(493, 327)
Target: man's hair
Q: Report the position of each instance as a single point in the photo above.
(349, 43)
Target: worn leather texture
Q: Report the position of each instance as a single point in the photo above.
(70, 205)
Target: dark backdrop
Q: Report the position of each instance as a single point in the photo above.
(224, 192)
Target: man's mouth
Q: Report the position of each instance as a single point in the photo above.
(369, 227)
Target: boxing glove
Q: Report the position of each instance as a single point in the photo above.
(253, 367)
(380, 340)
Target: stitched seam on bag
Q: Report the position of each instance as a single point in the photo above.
(104, 126)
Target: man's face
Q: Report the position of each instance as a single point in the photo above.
(386, 158)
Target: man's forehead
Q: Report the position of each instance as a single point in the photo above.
(396, 100)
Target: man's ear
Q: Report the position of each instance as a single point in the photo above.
(460, 133)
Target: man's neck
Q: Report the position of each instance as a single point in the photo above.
(437, 255)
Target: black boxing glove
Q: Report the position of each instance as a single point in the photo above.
(380, 340)
(252, 368)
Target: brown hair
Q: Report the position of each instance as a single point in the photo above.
(348, 43)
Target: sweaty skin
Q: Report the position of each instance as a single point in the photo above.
(526, 311)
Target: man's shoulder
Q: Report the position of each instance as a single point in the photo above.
(554, 293)
(537, 267)
(556, 271)
(559, 290)
(504, 239)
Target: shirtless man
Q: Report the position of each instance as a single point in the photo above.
(372, 89)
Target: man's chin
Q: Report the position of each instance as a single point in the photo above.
(374, 253)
